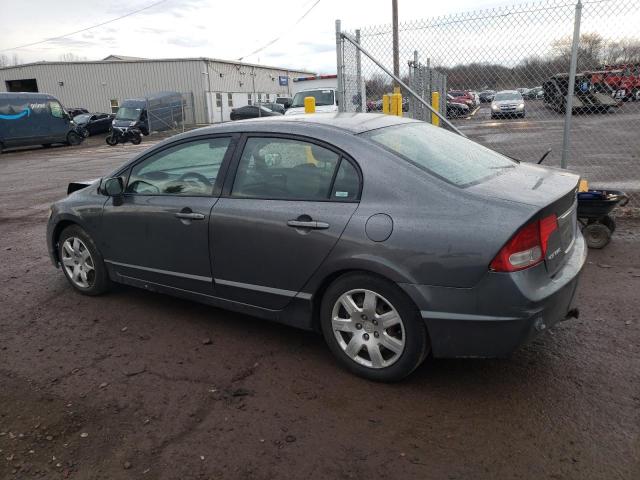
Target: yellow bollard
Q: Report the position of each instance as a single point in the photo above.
(309, 105)
(435, 103)
(396, 104)
(386, 107)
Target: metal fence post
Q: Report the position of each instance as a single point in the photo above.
(359, 88)
(571, 87)
(340, 68)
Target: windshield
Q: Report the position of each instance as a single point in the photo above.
(507, 96)
(322, 96)
(451, 157)
(128, 113)
(82, 118)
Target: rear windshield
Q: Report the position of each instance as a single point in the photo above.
(451, 157)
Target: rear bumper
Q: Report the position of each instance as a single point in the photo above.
(502, 312)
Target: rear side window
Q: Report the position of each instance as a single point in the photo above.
(451, 157)
(347, 183)
(278, 168)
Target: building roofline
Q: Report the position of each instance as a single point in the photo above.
(150, 60)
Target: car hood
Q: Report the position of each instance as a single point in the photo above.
(528, 184)
(507, 102)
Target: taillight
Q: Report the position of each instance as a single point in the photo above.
(527, 247)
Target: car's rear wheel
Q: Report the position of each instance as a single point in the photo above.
(81, 262)
(373, 328)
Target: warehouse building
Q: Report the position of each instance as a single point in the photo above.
(211, 88)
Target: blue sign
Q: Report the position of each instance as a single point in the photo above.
(283, 80)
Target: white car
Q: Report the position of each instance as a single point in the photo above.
(326, 101)
(508, 103)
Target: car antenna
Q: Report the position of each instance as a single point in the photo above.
(544, 156)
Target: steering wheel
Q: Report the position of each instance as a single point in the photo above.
(197, 176)
(133, 187)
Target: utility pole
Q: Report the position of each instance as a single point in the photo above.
(396, 48)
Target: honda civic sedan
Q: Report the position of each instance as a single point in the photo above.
(393, 238)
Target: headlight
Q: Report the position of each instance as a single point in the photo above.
(494, 106)
(520, 106)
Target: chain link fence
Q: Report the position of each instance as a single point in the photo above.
(175, 114)
(526, 50)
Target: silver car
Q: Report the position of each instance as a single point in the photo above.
(508, 103)
(394, 238)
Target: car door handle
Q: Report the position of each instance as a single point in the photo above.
(189, 216)
(308, 224)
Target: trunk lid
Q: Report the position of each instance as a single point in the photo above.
(551, 191)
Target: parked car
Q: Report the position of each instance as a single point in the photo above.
(475, 96)
(522, 90)
(274, 107)
(94, 122)
(75, 111)
(464, 97)
(486, 96)
(456, 109)
(252, 111)
(35, 119)
(534, 93)
(508, 103)
(319, 222)
(285, 101)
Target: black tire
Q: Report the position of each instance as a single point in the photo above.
(416, 342)
(46, 145)
(609, 222)
(74, 139)
(85, 132)
(597, 235)
(136, 138)
(99, 281)
(111, 140)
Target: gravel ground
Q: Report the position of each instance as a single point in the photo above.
(138, 385)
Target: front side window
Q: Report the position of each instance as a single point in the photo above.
(451, 157)
(284, 169)
(56, 110)
(186, 169)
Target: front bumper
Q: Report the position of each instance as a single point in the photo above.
(502, 312)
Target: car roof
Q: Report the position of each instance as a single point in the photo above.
(508, 91)
(353, 123)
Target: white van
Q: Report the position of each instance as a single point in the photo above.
(322, 88)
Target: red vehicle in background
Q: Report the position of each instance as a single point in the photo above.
(463, 96)
(621, 81)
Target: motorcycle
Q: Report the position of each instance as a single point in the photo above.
(124, 135)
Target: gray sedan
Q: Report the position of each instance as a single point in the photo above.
(393, 238)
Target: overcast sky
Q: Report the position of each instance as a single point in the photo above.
(230, 29)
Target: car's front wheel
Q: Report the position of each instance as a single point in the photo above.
(373, 328)
(81, 262)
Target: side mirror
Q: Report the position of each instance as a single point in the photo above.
(114, 187)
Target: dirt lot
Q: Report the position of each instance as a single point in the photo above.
(138, 385)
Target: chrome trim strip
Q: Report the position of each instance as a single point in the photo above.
(427, 315)
(164, 272)
(257, 288)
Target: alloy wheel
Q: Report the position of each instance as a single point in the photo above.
(78, 263)
(368, 328)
